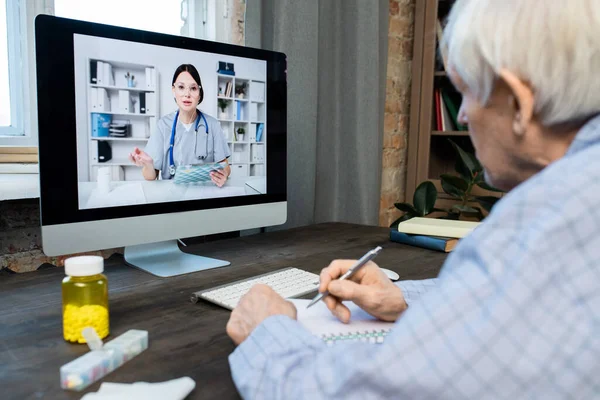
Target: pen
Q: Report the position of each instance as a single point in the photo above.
(371, 254)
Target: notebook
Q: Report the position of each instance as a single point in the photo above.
(361, 328)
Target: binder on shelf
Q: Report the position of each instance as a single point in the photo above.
(259, 132)
(257, 91)
(93, 72)
(239, 115)
(151, 103)
(150, 126)
(107, 75)
(225, 68)
(103, 100)
(142, 102)
(257, 153)
(104, 151)
(99, 73)
(125, 105)
(94, 99)
(100, 124)
(258, 170)
(253, 112)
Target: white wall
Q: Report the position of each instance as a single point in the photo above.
(165, 60)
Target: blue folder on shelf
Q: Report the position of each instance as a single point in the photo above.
(259, 132)
(101, 124)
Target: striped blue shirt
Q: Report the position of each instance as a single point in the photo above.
(514, 313)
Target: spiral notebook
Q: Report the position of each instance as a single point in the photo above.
(361, 328)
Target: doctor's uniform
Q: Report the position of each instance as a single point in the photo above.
(191, 146)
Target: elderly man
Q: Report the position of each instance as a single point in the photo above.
(515, 311)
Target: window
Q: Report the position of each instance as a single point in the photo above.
(162, 16)
(204, 19)
(11, 92)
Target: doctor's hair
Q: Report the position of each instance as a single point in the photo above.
(194, 73)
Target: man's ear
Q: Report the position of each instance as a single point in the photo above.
(523, 95)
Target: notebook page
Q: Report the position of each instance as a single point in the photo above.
(319, 320)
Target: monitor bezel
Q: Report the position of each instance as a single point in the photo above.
(57, 116)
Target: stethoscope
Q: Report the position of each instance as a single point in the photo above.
(172, 143)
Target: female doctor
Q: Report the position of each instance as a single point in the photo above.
(186, 136)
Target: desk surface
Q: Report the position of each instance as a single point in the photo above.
(159, 191)
(185, 339)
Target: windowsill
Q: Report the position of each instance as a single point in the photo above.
(18, 185)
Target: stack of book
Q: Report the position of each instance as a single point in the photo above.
(431, 233)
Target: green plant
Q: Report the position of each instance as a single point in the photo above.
(241, 131)
(458, 187)
(222, 104)
(240, 89)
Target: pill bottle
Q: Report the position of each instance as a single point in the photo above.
(85, 298)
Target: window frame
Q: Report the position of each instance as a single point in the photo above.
(15, 59)
(20, 20)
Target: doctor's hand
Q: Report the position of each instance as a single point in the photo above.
(254, 307)
(141, 158)
(369, 288)
(219, 177)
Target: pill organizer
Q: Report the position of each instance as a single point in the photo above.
(92, 366)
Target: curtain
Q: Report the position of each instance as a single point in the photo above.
(337, 56)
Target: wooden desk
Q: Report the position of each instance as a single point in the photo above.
(185, 339)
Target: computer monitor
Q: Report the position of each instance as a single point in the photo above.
(109, 95)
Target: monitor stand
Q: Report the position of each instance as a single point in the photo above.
(165, 259)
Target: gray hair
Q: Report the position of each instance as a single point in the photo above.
(554, 45)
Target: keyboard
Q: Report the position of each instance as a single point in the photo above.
(287, 282)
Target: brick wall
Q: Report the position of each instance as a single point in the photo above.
(21, 239)
(397, 108)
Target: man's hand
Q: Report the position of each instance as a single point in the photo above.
(369, 288)
(254, 307)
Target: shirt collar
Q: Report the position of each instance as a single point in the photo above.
(587, 136)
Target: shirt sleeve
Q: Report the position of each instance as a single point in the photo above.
(154, 147)
(413, 290)
(476, 335)
(221, 147)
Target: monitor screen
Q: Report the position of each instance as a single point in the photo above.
(127, 98)
(174, 136)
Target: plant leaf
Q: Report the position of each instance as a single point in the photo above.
(406, 207)
(465, 209)
(424, 198)
(454, 185)
(484, 185)
(402, 218)
(487, 202)
(471, 163)
(477, 213)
